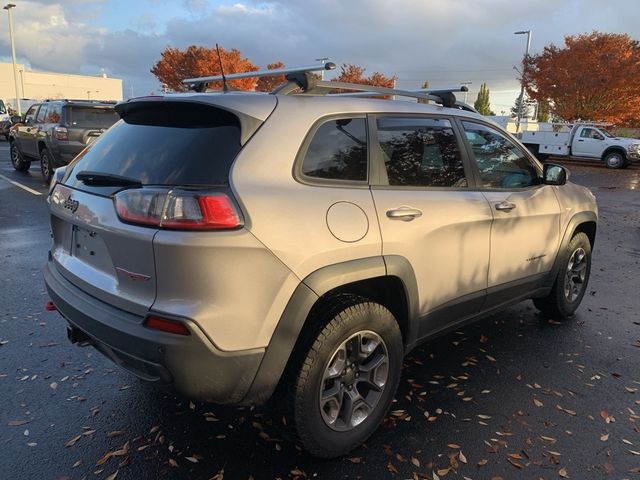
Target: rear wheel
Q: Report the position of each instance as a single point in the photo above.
(347, 378)
(45, 165)
(615, 160)
(17, 160)
(571, 282)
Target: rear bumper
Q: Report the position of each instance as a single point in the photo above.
(191, 363)
(63, 152)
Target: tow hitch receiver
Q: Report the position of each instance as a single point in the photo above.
(78, 336)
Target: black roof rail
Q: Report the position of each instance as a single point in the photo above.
(78, 100)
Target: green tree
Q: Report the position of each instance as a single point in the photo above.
(425, 84)
(526, 109)
(482, 103)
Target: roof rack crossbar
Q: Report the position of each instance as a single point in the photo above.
(442, 96)
(261, 73)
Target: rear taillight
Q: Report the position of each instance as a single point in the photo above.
(177, 209)
(169, 326)
(61, 133)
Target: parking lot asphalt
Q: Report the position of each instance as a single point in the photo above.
(514, 396)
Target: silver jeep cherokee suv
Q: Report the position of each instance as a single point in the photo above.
(230, 243)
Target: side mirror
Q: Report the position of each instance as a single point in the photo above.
(554, 174)
(16, 119)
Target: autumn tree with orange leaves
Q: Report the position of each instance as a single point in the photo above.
(350, 73)
(594, 77)
(267, 84)
(175, 65)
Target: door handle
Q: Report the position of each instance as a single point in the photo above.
(505, 206)
(404, 213)
(580, 140)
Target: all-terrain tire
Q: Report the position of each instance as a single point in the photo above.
(348, 324)
(571, 281)
(17, 160)
(46, 168)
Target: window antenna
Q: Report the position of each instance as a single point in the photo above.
(225, 88)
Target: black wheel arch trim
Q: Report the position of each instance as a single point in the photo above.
(308, 292)
(578, 219)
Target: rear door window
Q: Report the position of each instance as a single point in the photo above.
(91, 117)
(177, 144)
(420, 152)
(337, 151)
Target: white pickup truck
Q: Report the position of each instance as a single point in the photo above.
(583, 140)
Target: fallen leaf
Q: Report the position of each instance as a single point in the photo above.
(563, 473)
(17, 423)
(515, 463)
(73, 441)
(392, 468)
(483, 462)
(218, 476)
(355, 459)
(415, 462)
(454, 446)
(537, 402)
(173, 463)
(192, 459)
(604, 437)
(115, 433)
(112, 476)
(462, 458)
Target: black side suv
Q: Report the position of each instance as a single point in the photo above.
(55, 131)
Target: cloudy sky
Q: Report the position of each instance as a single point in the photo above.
(443, 41)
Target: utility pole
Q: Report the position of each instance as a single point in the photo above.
(521, 97)
(8, 8)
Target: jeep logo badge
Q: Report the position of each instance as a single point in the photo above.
(71, 204)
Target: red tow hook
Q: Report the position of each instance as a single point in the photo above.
(50, 306)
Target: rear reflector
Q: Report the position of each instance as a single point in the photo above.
(177, 209)
(169, 326)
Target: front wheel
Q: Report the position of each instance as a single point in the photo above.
(17, 160)
(615, 160)
(571, 281)
(348, 378)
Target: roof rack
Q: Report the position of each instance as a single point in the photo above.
(199, 84)
(300, 80)
(443, 96)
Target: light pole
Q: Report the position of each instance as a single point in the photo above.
(465, 93)
(8, 8)
(323, 60)
(521, 97)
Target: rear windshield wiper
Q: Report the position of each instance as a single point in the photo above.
(106, 179)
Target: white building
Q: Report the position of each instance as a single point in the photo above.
(42, 85)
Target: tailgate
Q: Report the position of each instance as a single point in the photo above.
(108, 259)
(86, 123)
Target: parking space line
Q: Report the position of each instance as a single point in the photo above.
(19, 185)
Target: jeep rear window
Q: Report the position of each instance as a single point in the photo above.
(167, 144)
(90, 117)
